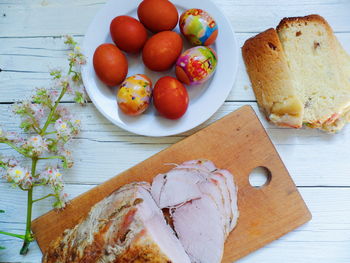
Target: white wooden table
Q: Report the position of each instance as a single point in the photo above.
(31, 43)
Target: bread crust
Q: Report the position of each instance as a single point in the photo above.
(272, 82)
(289, 21)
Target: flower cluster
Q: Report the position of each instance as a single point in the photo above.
(53, 177)
(11, 137)
(67, 128)
(50, 127)
(5, 163)
(17, 175)
(35, 146)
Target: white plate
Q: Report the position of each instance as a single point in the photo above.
(204, 100)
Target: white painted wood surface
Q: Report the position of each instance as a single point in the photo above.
(30, 44)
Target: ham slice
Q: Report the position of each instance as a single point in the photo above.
(176, 187)
(127, 226)
(203, 205)
(198, 226)
(211, 190)
(224, 180)
(200, 164)
(232, 188)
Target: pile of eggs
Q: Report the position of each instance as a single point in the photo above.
(160, 52)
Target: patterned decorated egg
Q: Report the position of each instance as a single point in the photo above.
(198, 27)
(134, 95)
(196, 65)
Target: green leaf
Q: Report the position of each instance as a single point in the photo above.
(56, 74)
(1, 247)
(76, 77)
(79, 97)
(70, 41)
(25, 125)
(2, 211)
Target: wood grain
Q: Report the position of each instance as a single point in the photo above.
(238, 143)
(40, 17)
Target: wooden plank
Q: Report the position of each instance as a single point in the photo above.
(104, 147)
(27, 61)
(238, 143)
(44, 17)
(324, 239)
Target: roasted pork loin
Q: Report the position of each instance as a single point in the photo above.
(125, 227)
(129, 226)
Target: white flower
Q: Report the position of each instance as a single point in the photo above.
(61, 197)
(18, 175)
(52, 176)
(36, 145)
(77, 49)
(38, 111)
(63, 112)
(62, 128)
(9, 161)
(27, 181)
(76, 126)
(66, 154)
(13, 136)
(53, 94)
(76, 122)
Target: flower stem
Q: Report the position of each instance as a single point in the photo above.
(16, 148)
(12, 234)
(48, 133)
(48, 121)
(28, 237)
(46, 196)
(64, 159)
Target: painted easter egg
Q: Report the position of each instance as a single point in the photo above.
(196, 65)
(198, 27)
(134, 95)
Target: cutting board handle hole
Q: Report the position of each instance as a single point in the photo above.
(259, 177)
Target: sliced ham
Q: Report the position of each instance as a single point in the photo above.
(127, 226)
(200, 164)
(203, 206)
(224, 180)
(176, 187)
(231, 186)
(198, 226)
(220, 182)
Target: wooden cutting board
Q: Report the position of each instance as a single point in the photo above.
(237, 142)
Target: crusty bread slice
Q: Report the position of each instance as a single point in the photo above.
(273, 83)
(314, 58)
(344, 118)
(306, 62)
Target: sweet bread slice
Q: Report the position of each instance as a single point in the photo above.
(344, 118)
(314, 57)
(272, 80)
(300, 74)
